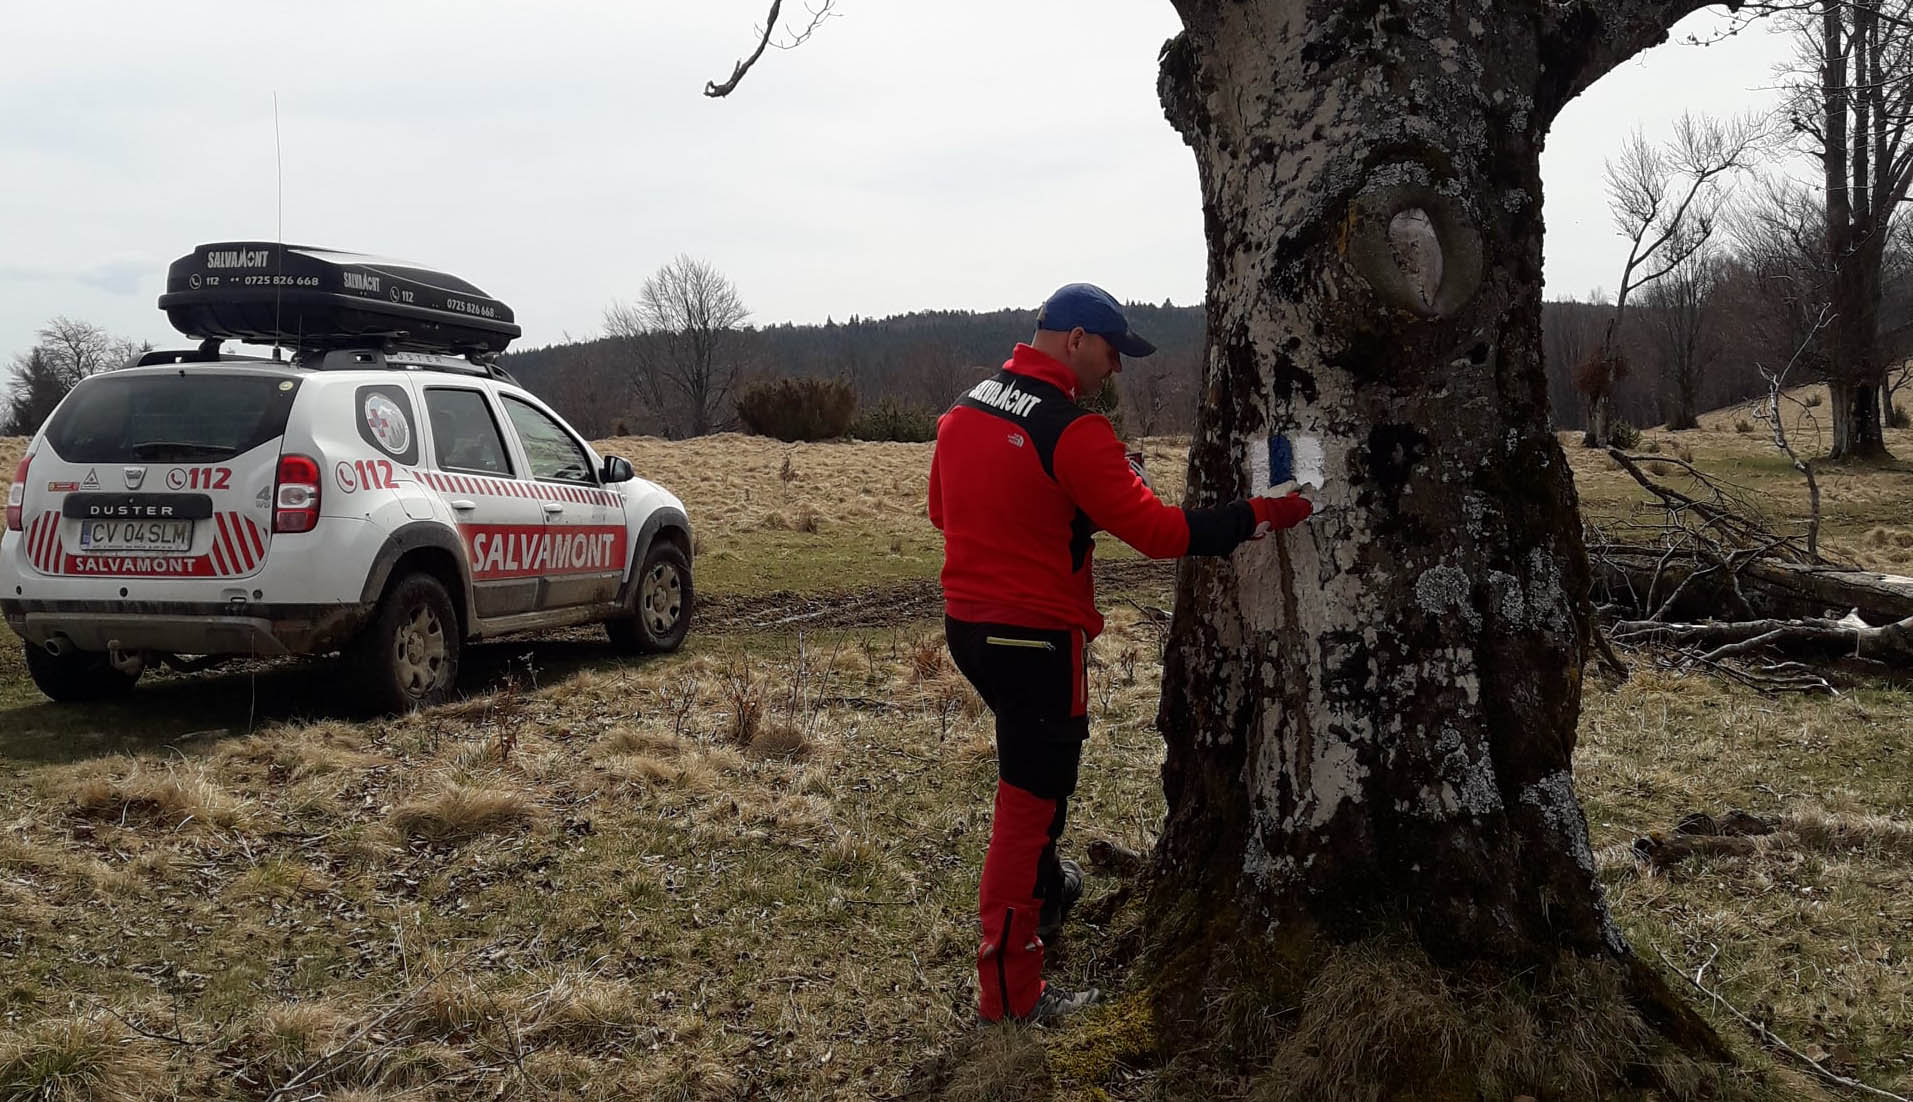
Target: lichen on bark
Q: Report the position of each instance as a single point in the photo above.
(1370, 719)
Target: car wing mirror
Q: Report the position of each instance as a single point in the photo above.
(618, 469)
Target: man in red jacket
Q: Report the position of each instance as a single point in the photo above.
(1021, 479)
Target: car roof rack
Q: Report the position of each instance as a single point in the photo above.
(381, 359)
(337, 359)
(320, 300)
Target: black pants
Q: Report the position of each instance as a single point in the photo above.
(1032, 679)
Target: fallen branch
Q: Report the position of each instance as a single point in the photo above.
(1768, 1037)
(1850, 636)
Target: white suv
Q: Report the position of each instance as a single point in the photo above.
(383, 502)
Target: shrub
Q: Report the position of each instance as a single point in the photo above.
(1743, 426)
(1623, 435)
(1109, 402)
(1814, 400)
(1897, 417)
(794, 409)
(894, 421)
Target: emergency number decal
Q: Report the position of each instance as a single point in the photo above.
(366, 474)
(384, 415)
(529, 550)
(199, 478)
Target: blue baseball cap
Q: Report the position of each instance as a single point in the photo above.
(1094, 310)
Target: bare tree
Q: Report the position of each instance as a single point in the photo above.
(1666, 203)
(1680, 309)
(1851, 103)
(1780, 237)
(684, 339)
(68, 351)
(1370, 720)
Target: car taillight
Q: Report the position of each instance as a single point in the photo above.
(295, 498)
(17, 494)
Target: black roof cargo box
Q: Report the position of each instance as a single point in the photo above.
(264, 292)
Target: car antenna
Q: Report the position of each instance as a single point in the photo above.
(279, 171)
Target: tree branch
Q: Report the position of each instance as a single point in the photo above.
(1584, 39)
(818, 15)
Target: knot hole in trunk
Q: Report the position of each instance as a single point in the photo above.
(1416, 249)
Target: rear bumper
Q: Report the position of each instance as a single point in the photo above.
(187, 628)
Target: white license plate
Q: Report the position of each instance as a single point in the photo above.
(136, 535)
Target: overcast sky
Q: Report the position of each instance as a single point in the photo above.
(912, 156)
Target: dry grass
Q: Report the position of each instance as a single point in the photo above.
(80, 1059)
(170, 794)
(1864, 508)
(461, 811)
(608, 886)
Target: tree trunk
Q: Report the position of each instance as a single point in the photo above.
(1686, 413)
(1600, 422)
(1858, 432)
(1371, 719)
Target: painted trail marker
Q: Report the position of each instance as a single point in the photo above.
(1287, 462)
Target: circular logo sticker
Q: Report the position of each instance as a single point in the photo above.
(387, 422)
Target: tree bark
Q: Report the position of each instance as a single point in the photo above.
(1858, 432)
(1371, 719)
(1600, 422)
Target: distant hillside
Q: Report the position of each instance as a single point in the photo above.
(920, 359)
(924, 359)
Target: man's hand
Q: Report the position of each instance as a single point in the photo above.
(1272, 514)
(1136, 465)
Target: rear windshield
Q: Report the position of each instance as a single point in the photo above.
(169, 418)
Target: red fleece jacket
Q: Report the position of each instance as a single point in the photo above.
(1021, 479)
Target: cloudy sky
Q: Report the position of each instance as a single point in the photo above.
(913, 155)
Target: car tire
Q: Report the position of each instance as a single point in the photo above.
(661, 601)
(407, 657)
(77, 676)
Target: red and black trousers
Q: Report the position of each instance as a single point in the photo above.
(1033, 681)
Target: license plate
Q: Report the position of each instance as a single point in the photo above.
(136, 535)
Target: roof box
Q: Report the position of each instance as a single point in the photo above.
(265, 292)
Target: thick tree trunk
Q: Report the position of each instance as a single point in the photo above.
(1858, 424)
(1371, 719)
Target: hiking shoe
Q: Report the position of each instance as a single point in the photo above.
(1049, 921)
(1055, 1004)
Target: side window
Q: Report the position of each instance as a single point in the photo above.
(464, 434)
(553, 454)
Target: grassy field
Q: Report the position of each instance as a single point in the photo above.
(747, 870)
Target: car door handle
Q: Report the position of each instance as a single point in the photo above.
(553, 508)
(463, 505)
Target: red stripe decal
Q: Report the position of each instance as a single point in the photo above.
(220, 562)
(244, 540)
(239, 541)
(258, 544)
(225, 544)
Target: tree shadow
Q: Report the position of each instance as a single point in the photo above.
(172, 709)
